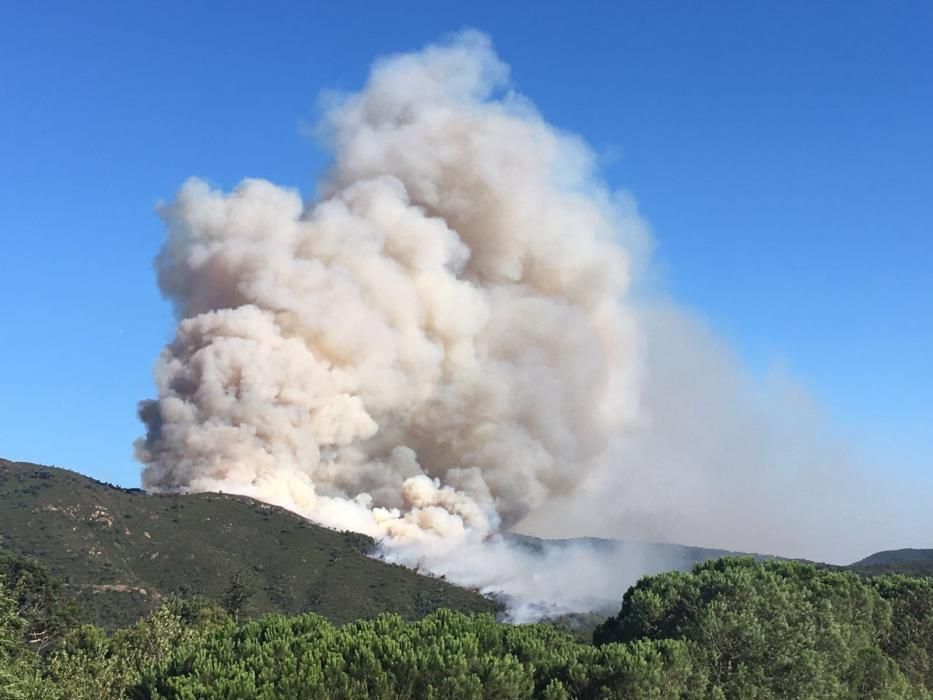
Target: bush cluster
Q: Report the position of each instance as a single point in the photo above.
(731, 628)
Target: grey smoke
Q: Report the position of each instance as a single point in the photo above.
(727, 459)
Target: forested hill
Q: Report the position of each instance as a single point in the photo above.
(121, 551)
(896, 556)
(915, 562)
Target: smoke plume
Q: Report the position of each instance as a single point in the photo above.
(439, 347)
(430, 350)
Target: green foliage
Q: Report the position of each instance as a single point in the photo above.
(733, 628)
(34, 616)
(90, 664)
(47, 613)
(18, 664)
(785, 629)
(446, 655)
(909, 639)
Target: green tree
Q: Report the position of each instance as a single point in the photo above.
(237, 595)
(19, 669)
(771, 629)
(90, 665)
(47, 612)
(909, 639)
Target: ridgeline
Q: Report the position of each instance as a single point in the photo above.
(121, 551)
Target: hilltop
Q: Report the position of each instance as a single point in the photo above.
(896, 556)
(915, 562)
(121, 551)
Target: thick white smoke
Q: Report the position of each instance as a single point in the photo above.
(439, 348)
(426, 353)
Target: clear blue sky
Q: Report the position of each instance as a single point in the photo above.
(782, 152)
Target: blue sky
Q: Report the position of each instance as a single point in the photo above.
(782, 153)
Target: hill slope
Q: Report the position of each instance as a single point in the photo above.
(914, 562)
(120, 551)
(896, 556)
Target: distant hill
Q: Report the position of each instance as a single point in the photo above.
(666, 556)
(120, 551)
(913, 562)
(660, 556)
(896, 556)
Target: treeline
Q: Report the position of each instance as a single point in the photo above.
(732, 628)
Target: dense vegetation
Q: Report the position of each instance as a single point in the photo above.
(121, 552)
(732, 628)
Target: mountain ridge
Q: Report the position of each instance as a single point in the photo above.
(120, 551)
(895, 556)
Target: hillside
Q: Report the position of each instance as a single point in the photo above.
(913, 562)
(121, 551)
(896, 556)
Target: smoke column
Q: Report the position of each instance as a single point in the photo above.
(443, 346)
(426, 353)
